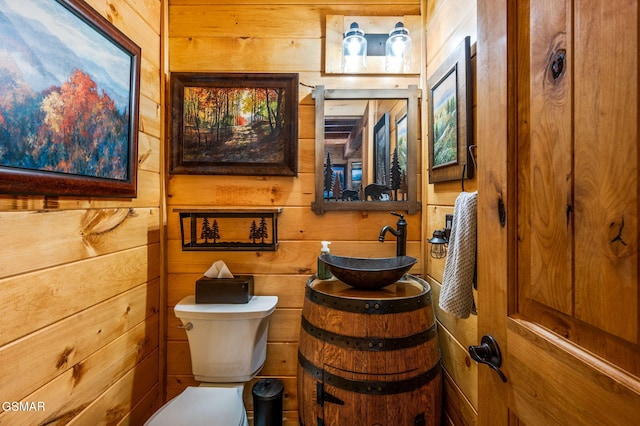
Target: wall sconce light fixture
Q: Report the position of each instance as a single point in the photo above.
(440, 239)
(395, 47)
(354, 50)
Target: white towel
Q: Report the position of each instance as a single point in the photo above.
(456, 295)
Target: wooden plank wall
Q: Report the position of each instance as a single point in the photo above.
(447, 23)
(275, 36)
(81, 277)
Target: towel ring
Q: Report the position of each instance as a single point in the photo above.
(464, 166)
(464, 170)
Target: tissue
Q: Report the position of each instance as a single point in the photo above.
(218, 270)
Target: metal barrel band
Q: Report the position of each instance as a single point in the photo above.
(366, 306)
(369, 387)
(373, 344)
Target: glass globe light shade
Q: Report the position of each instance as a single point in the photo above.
(398, 50)
(354, 50)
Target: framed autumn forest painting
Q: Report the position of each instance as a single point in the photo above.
(234, 124)
(68, 101)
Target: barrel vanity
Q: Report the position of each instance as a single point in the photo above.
(368, 357)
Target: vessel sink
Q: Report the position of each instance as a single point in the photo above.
(368, 273)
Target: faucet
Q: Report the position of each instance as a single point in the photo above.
(400, 233)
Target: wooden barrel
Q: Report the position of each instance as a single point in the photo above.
(368, 357)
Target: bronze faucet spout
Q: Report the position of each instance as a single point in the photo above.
(400, 233)
(384, 230)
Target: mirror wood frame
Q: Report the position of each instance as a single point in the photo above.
(412, 95)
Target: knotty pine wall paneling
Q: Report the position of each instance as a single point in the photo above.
(447, 23)
(273, 37)
(80, 278)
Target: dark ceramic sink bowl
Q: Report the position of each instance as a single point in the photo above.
(368, 273)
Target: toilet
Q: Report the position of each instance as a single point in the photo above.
(228, 344)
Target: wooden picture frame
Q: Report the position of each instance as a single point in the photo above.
(69, 122)
(401, 140)
(381, 150)
(234, 124)
(451, 117)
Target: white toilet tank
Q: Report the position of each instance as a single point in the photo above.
(228, 342)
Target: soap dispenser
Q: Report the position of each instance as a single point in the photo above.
(323, 269)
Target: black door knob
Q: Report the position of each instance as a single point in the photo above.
(488, 352)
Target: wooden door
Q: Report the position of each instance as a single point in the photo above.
(558, 108)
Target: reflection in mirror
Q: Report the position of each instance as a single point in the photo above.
(374, 130)
(366, 149)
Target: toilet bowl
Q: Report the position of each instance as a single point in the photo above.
(228, 345)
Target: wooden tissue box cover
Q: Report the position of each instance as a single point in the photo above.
(224, 290)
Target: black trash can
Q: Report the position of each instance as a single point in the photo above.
(267, 402)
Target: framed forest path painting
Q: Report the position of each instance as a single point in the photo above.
(234, 124)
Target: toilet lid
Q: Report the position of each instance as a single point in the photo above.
(199, 406)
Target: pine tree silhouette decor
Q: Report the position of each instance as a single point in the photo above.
(263, 230)
(337, 190)
(328, 176)
(243, 230)
(209, 232)
(259, 232)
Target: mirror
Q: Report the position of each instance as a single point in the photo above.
(366, 149)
